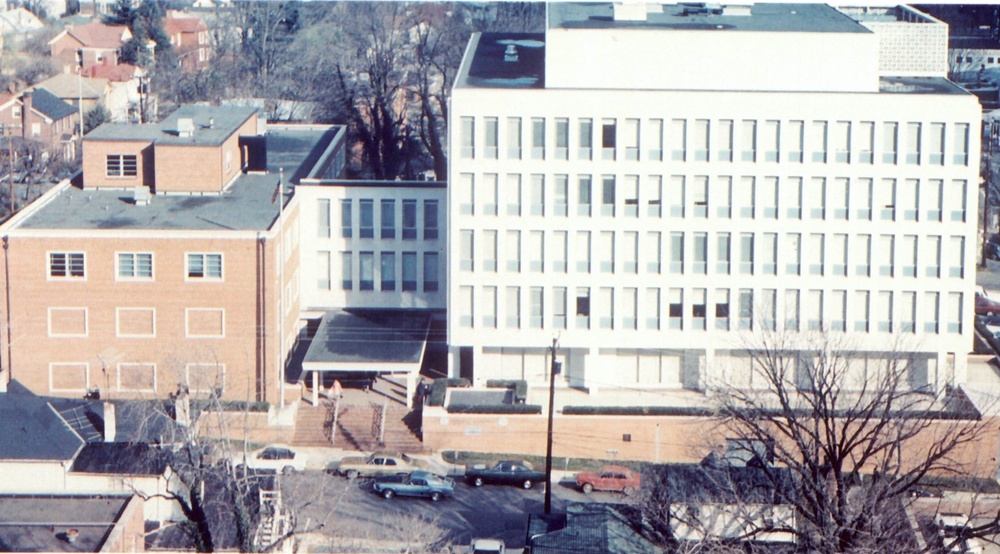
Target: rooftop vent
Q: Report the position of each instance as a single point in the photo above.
(737, 9)
(185, 127)
(141, 196)
(510, 55)
(630, 11)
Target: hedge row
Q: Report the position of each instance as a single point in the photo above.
(440, 387)
(533, 409)
(637, 410)
(520, 386)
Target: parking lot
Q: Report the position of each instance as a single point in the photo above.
(334, 505)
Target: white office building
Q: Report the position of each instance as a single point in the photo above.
(655, 185)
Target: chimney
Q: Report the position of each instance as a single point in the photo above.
(25, 110)
(110, 423)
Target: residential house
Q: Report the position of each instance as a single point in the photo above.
(172, 263)
(590, 529)
(97, 41)
(40, 116)
(17, 25)
(120, 98)
(85, 522)
(189, 39)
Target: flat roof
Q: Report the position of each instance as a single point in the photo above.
(212, 126)
(808, 18)
(38, 523)
(488, 66)
(244, 206)
(370, 336)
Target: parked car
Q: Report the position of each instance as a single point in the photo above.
(610, 478)
(273, 458)
(951, 526)
(504, 472)
(986, 306)
(379, 463)
(418, 483)
(488, 546)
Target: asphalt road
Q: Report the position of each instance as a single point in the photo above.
(336, 506)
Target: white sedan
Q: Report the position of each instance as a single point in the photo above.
(274, 458)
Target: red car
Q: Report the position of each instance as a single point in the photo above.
(610, 478)
(985, 306)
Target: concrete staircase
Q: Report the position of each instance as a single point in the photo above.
(356, 426)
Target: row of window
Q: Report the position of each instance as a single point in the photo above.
(722, 140)
(136, 322)
(655, 252)
(134, 266)
(136, 377)
(388, 216)
(725, 197)
(121, 165)
(389, 274)
(629, 308)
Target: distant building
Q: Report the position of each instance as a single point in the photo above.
(99, 42)
(189, 39)
(38, 115)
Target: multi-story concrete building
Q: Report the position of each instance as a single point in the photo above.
(169, 264)
(658, 185)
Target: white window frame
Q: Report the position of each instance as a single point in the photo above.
(66, 260)
(135, 265)
(187, 375)
(86, 376)
(118, 328)
(187, 316)
(86, 322)
(204, 258)
(118, 376)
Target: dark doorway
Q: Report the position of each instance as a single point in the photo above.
(465, 362)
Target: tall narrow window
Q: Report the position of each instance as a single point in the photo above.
(490, 129)
(932, 199)
(538, 138)
(651, 252)
(700, 266)
(561, 186)
(957, 199)
(768, 195)
(678, 140)
(883, 311)
(652, 308)
(488, 243)
(931, 313)
(746, 253)
(608, 195)
(536, 251)
(862, 255)
(792, 254)
(770, 140)
(700, 140)
(908, 312)
(817, 198)
(583, 197)
(956, 257)
(748, 141)
(722, 309)
(722, 191)
(630, 251)
(890, 142)
(514, 138)
(842, 142)
(699, 309)
(489, 307)
(346, 271)
(814, 310)
(866, 141)
(654, 133)
(559, 307)
(367, 270)
(746, 309)
(837, 194)
(489, 194)
(862, 311)
(345, 219)
(630, 308)
(609, 139)
(675, 195)
(513, 306)
(537, 194)
(864, 193)
(796, 136)
(430, 219)
(745, 194)
(791, 310)
(562, 139)
(409, 219)
(513, 248)
(961, 144)
(675, 310)
(913, 143)
(467, 139)
(606, 251)
(792, 197)
(724, 141)
(367, 219)
(699, 196)
(388, 219)
(536, 303)
(722, 253)
(631, 139)
(838, 254)
(431, 271)
(582, 251)
(323, 268)
(465, 253)
(768, 309)
(466, 194)
(631, 187)
(606, 307)
(387, 271)
(906, 199)
(582, 308)
(409, 271)
(513, 194)
(323, 218)
(769, 253)
(886, 199)
(932, 256)
(887, 259)
(586, 146)
(817, 141)
(560, 244)
(677, 253)
(935, 144)
(954, 313)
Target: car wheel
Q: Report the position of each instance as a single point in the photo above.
(526, 484)
(388, 493)
(477, 482)
(629, 490)
(352, 473)
(588, 488)
(435, 496)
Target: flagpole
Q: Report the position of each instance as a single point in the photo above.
(281, 287)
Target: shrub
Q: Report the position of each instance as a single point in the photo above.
(440, 386)
(520, 387)
(494, 409)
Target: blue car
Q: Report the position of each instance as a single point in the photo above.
(418, 483)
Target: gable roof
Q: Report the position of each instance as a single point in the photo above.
(66, 85)
(19, 20)
(50, 105)
(118, 73)
(179, 22)
(31, 429)
(591, 529)
(99, 35)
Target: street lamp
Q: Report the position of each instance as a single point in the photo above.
(553, 370)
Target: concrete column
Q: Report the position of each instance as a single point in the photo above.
(708, 371)
(315, 398)
(453, 358)
(591, 369)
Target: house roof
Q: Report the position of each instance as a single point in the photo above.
(19, 20)
(50, 105)
(38, 522)
(99, 35)
(179, 22)
(591, 529)
(66, 85)
(117, 73)
(213, 125)
(120, 458)
(32, 429)
(723, 483)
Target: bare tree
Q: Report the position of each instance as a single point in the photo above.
(842, 436)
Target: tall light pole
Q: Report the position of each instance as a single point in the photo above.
(548, 444)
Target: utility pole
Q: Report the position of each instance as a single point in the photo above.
(548, 444)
